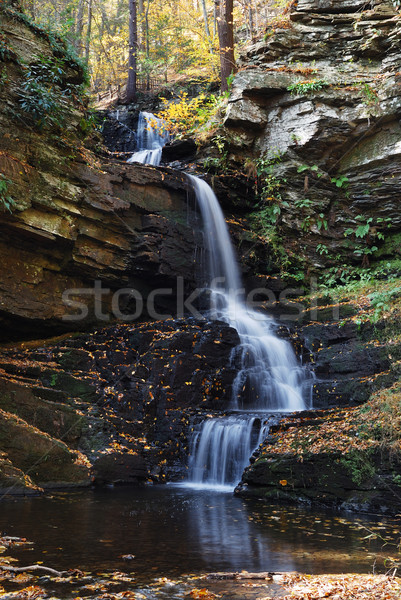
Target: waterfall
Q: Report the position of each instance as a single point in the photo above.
(269, 378)
(220, 449)
(151, 137)
(269, 372)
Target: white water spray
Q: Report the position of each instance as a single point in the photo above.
(269, 371)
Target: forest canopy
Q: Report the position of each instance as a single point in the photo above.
(174, 38)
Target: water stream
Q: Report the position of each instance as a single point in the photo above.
(269, 377)
(151, 137)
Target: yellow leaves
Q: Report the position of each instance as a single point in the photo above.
(202, 594)
(22, 578)
(185, 115)
(29, 593)
(336, 587)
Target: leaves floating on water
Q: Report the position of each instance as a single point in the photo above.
(29, 593)
(202, 594)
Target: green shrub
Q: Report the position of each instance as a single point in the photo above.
(6, 201)
(44, 95)
(307, 87)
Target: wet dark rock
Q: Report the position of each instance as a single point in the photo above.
(324, 480)
(120, 468)
(121, 399)
(120, 133)
(179, 150)
(308, 459)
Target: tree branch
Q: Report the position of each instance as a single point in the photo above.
(33, 568)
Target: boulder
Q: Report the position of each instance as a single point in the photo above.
(114, 406)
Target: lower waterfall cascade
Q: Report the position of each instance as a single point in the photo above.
(269, 379)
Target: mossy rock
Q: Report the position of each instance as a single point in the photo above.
(47, 461)
(73, 386)
(58, 420)
(14, 481)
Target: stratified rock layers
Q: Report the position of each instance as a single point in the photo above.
(76, 219)
(320, 98)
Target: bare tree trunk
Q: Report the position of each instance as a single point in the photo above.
(117, 20)
(88, 32)
(253, 18)
(31, 8)
(79, 27)
(225, 28)
(141, 23)
(206, 22)
(104, 23)
(133, 44)
(214, 20)
(147, 46)
(250, 16)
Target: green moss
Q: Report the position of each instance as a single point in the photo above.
(391, 247)
(77, 388)
(359, 465)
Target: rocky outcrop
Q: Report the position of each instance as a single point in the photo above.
(68, 218)
(336, 458)
(346, 453)
(110, 407)
(84, 239)
(347, 365)
(319, 98)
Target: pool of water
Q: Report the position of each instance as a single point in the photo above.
(172, 531)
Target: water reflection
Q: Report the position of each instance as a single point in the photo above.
(222, 527)
(173, 531)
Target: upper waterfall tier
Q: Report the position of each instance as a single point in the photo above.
(151, 137)
(269, 376)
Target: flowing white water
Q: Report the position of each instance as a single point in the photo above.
(269, 378)
(151, 137)
(220, 449)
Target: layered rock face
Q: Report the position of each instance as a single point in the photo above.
(329, 458)
(320, 99)
(74, 219)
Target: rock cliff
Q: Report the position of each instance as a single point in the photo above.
(319, 99)
(315, 107)
(69, 219)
